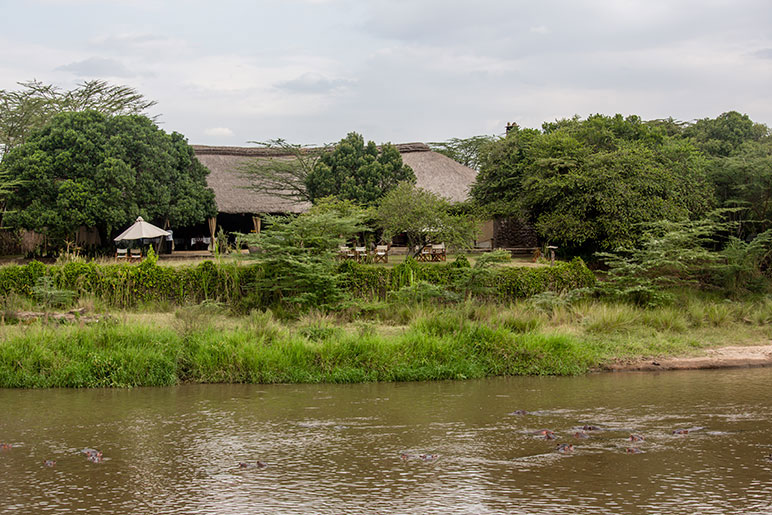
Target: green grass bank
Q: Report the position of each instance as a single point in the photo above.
(387, 342)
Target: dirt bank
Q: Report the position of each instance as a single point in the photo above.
(722, 357)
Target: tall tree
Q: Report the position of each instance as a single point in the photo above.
(35, 104)
(587, 184)
(90, 169)
(358, 172)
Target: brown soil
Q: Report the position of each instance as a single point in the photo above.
(722, 357)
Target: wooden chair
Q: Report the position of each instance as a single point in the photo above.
(425, 254)
(381, 254)
(135, 254)
(121, 255)
(438, 252)
(346, 253)
(360, 253)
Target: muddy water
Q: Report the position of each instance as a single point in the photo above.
(336, 449)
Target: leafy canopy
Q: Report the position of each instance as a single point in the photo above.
(587, 184)
(87, 168)
(357, 172)
(298, 254)
(35, 104)
(424, 217)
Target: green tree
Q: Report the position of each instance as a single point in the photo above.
(424, 217)
(466, 151)
(586, 185)
(35, 104)
(90, 169)
(298, 255)
(724, 135)
(744, 179)
(358, 172)
(285, 174)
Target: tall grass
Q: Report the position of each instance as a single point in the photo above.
(376, 342)
(260, 351)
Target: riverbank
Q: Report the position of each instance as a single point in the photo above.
(378, 342)
(746, 356)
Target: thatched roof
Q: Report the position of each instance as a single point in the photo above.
(434, 172)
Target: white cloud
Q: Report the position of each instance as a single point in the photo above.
(97, 67)
(218, 132)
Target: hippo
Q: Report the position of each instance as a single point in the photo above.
(565, 448)
(257, 465)
(95, 458)
(591, 428)
(636, 438)
(520, 412)
(90, 452)
(428, 457)
(633, 450)
(581, 435)
(5, 446)
(548, 435)
(680, 431)
(49, 463)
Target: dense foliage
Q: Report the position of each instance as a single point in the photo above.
(423, 217)
(357, 172)
(245, 287)
(688, 254)
(34, 105)
(90, 169)
(297, 254)
(587, 184)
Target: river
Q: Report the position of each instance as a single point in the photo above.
(339, 448)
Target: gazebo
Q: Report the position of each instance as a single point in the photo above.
(141, 230)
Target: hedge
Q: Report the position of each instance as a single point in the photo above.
(234, 284)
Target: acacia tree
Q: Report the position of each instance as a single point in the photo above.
(424, 217)
(466, 151)
(357, 172)
(35, 104)
(298, 254)
(283, 175)
(90, 169)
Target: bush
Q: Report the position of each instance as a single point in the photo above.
(242, 288)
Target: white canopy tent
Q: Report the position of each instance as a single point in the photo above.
(141, 230)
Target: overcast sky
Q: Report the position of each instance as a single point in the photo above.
(309, 71)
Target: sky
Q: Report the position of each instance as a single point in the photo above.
(310, 71)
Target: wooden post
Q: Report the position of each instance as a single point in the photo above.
(552, 255)
(166, 228)
(212, 230)
(257, 223)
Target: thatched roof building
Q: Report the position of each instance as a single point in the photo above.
(434, 172)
